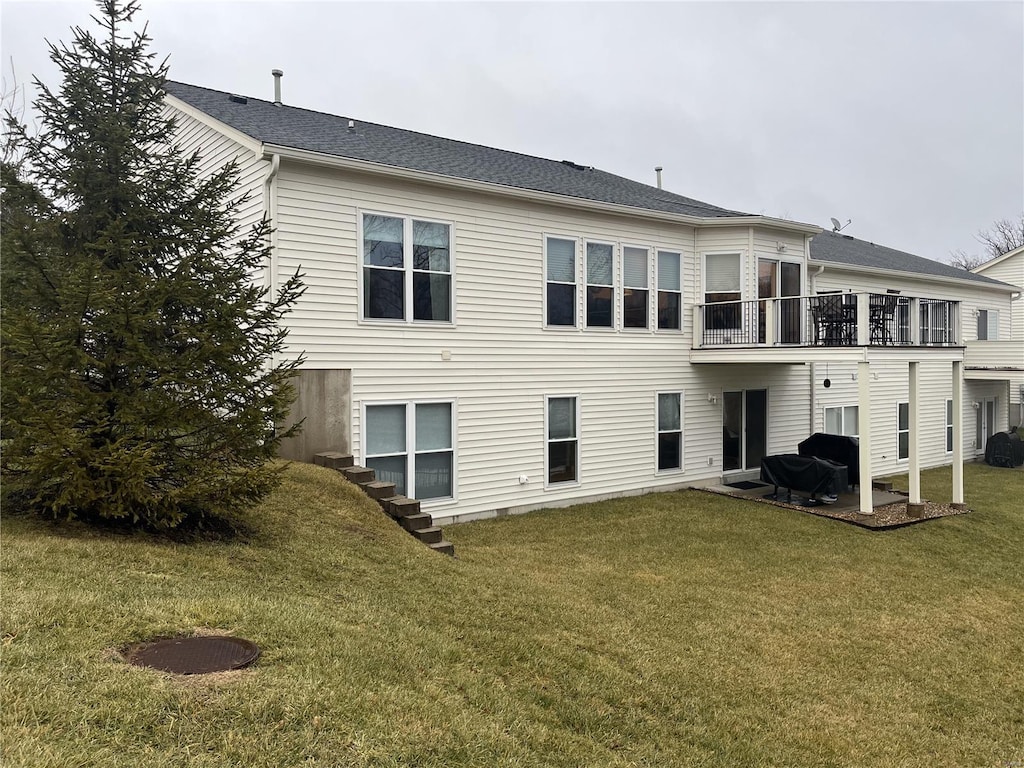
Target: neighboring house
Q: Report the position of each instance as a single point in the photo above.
(498, 333)
(995, 345)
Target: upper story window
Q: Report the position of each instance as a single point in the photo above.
(670, 291)
(600, 285)
(407, 269)
(560, 269)
(635, 296)
(988, 325)
(722, 282)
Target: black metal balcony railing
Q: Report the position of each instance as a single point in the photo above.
(830, 319)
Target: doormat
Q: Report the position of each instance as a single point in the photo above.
(746, 485)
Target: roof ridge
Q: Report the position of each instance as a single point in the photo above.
(676, 197)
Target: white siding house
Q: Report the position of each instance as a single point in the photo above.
(504, 333)
(995, 345)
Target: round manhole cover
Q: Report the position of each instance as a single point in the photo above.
(195, 655)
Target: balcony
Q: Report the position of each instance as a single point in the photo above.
(831, 322)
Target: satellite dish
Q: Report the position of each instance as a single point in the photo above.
(836, 226)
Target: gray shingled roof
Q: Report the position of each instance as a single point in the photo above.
(329, 134)
(843, 249)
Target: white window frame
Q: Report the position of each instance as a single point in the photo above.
(657, 290)
(900, 431)
(948, 418)
(658, 432)
(989, 320)
(741, 257)
(408, 308)
(410, 444)
(646, 328)
(842, 419)
(547, 441)
(578, 298)
(613, 285)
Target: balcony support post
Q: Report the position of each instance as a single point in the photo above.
(769, 322)
(863, 319)
(864, 425)
(914, 424)
(915, 321)
(698, 326)
(958, 432)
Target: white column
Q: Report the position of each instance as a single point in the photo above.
(914, 422)
(958, 432)
(863, 319)
(864, 425)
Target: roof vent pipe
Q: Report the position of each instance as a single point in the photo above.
(278, 74)
(658, 171)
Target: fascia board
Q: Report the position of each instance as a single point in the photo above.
(363, 166)
(841, 266)
(247, 141)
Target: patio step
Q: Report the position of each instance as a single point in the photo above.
(333, 460)
(431, 535)
(416, 522)
(358, 475)
(444, 547)
(378, 489)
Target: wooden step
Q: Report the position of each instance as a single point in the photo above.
(358, 475)
(378, 489)
(416, 522)
(334, 460)
(444, 547)
(431, 535)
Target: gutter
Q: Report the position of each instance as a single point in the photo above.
(926, 276)
(549, 198)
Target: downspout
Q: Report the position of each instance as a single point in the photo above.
(270, 212)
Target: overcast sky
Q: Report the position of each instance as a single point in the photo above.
(907, 118)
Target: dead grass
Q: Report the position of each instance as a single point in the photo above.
(674, 629)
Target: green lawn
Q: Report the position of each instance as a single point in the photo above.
(675, 629)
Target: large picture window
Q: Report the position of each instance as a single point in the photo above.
(670, 431)
(412, 445)
(635, 296)
(670, 291)
(600, 285)
(407, 269)
(560, 255)
(563, 449)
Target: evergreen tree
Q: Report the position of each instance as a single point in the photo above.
(139, 373)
